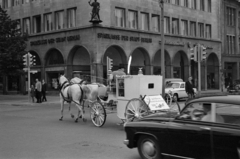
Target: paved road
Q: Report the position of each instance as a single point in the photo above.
(33, 131)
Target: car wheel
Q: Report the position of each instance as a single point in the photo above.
(148, 148)
(175, 97)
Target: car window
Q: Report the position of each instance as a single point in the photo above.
(173, 85)
(229, 112)
(205, 112)
(182, 86)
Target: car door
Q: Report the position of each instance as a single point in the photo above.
(190, 138)
(226, 136)
(182, 91)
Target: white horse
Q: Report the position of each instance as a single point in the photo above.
(76, 93)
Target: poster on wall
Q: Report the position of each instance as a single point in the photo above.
(54, 83)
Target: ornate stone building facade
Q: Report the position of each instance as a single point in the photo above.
(64, 41)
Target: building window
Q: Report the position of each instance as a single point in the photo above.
(175, 26)
(193, 30)
(166, 25)
(37, 24)
(176, 2)
(26, 25)
(201, 30)
(71, 17)
(156, 23)
(193, 4)
(231, 44)
(185, 3)
(18, 25)
(239, 22)
(6, 3)
(184, 27)
(209, 5)
(15, 2)
(48, 22)
(25, 1)
(59, 20)
(230, 16)
(202, 5)
(208, 31)
(132, 19)
(120, 17)
(145, 21)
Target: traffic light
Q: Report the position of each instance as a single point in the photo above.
(25, 60)
(193, 53)
(109, 63)
(31, 59)
(204, 53)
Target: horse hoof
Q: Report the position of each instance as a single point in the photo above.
(76, 121)
(60, 119)
(80, 117)
(72, 115)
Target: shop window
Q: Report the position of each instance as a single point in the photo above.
(132, 19)
(175, 26)
(201, 30)
(37, 24)
(184, 27)
(26, 25)
(156, 23)
(59, 20)
(145, 21)
(166, 25)
(13, 83)
(120, 17)
(71, 14)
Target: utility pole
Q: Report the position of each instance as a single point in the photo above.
(162, 48)
(199, 67)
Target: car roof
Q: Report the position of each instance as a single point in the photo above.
(230, 99)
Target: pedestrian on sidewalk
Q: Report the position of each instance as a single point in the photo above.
(38, 88)
(189, 88)
(32, 92)
(44, 89)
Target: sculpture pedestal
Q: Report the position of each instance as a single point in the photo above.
(95, 21)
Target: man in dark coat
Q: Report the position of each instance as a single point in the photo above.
(189, 88)
(44, 89)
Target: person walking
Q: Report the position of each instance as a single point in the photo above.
(189, 88)
(38, 87)
(44, 89)
(32, 92)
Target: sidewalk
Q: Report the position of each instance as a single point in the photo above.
(23, 100)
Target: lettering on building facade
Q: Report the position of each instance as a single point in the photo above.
(56, 40)
(123, 38)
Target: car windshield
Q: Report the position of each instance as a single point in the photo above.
(173, 85)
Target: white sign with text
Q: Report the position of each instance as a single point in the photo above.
(156, 102)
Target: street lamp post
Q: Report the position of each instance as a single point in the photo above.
(162, 48)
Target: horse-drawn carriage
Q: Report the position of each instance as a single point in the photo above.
(132, 96)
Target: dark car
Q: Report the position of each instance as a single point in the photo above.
(206, 128)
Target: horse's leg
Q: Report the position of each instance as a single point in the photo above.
(72, 116)
(62, 108)
(80, 110)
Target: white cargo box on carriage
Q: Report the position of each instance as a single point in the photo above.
(133, 86)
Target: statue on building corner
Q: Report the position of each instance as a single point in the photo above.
(95, 17)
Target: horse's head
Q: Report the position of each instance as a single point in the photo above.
(62, 79)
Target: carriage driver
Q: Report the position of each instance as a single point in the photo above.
(113, 75)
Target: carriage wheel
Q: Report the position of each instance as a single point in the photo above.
(135, 109)
(98, 114)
